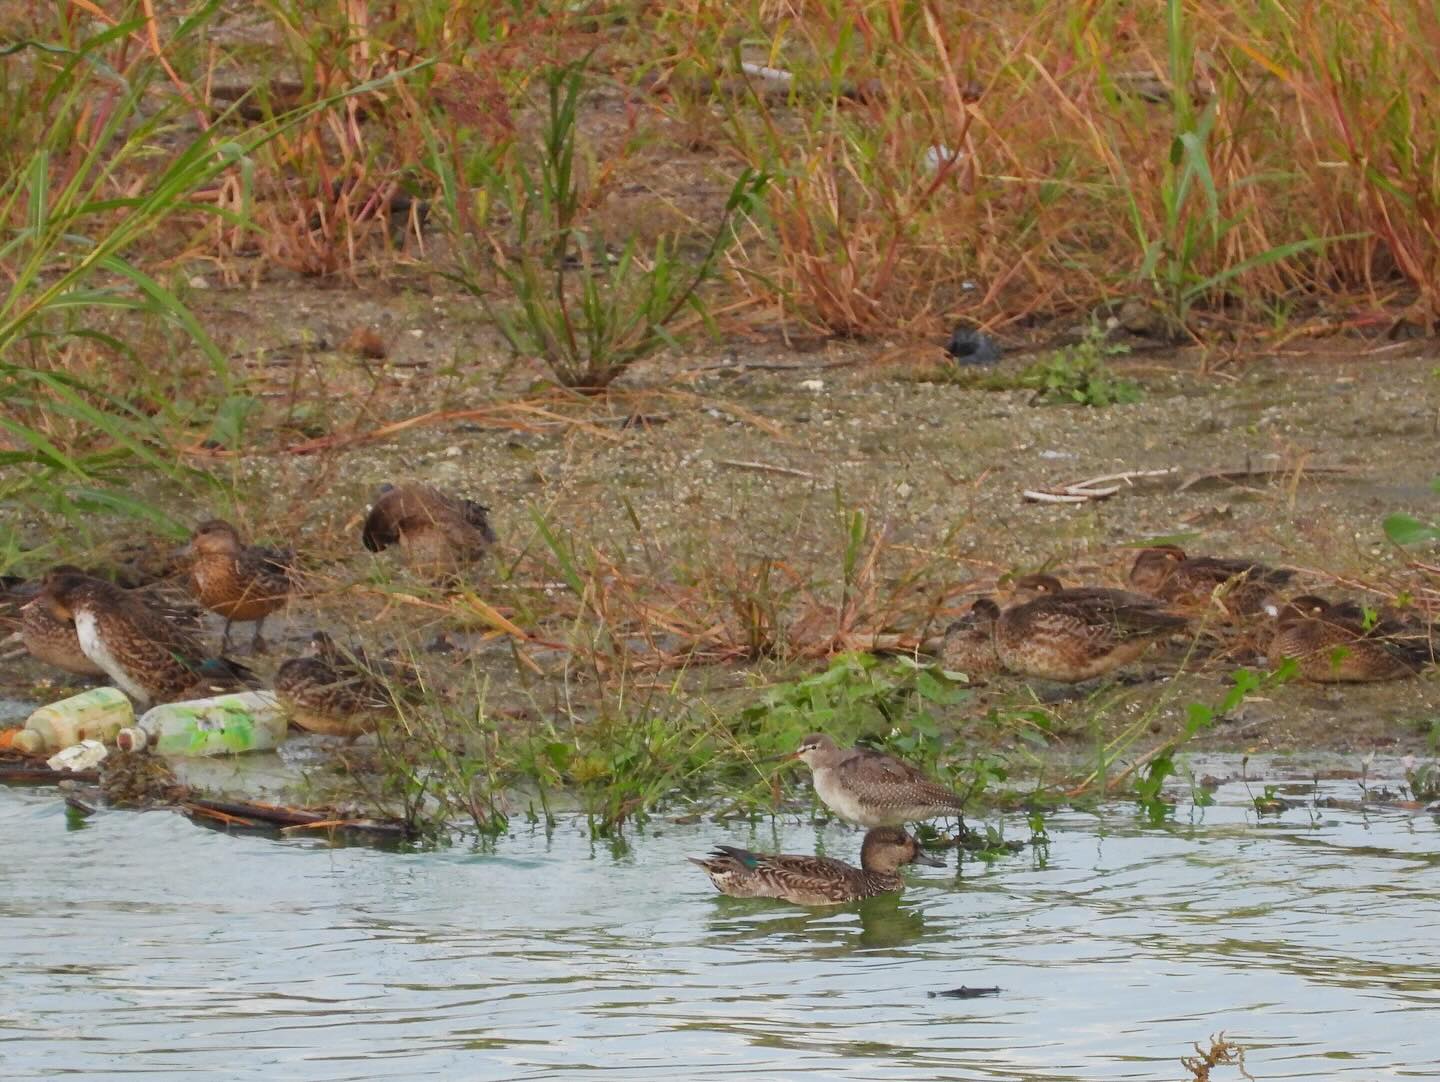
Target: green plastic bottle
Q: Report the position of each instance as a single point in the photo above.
(96, 714)
(224, 725)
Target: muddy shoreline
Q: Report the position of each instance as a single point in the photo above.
(698, 470)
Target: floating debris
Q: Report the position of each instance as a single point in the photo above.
(277, 819)
(86, 755)
(963, 993)
(94, 715)
(33, 772)
(139, 779)
(223, 725)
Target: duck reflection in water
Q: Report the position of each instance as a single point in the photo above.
(881, 922)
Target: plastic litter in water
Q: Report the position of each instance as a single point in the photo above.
(223, 725)
(97, 714)
(86, 755)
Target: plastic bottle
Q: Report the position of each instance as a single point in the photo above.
(97, 714)
(86, 755)
(224, 725)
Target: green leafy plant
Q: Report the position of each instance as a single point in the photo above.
(1407, 530)
(1269, 802)
(587, 311)
(1078, 374)
(887, 700)
(1423, 780)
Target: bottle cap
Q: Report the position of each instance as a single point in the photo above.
(131, 738)
(28, 741)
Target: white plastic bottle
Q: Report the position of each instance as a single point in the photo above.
(97, 714)
(224, 725)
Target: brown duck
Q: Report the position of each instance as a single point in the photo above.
(1243, 587)
(969, 643)
(871, 788)
(53, 641)
(240, 582)
(437, 533)
(1330, 643)
(816, 880)
(1080, 633)
(149, 657)
(340, 692)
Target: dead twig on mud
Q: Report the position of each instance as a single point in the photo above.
(765, 467)
(492, 417)
(1095, 488)
(1240, 473)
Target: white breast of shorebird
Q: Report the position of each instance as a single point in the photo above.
(846, 803)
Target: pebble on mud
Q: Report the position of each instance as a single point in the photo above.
(365, 342)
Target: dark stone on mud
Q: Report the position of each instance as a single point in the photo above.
(969, 346)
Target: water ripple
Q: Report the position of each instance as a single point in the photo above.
(138, 945)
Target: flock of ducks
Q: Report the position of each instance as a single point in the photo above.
(150, 645)
(1068, 635)
(1074, 634)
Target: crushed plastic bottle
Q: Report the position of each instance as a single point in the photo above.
(97, 714)
(224, 725)
(86, 755)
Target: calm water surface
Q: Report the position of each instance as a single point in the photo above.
(138, 945)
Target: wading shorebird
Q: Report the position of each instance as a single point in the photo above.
(816, 880)
(53, 641)
(871, 788)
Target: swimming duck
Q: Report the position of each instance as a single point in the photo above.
(1076, 634)
(816, 880)
(871, 788)
(1331, 645)
(1242, 586)
(437, 533)
(339, 692)
(149, 657)
(969, 643)
(239, 581)
(52, 641)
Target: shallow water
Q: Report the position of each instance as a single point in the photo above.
(140, 945)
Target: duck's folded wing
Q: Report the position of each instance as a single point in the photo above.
(804, 874)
